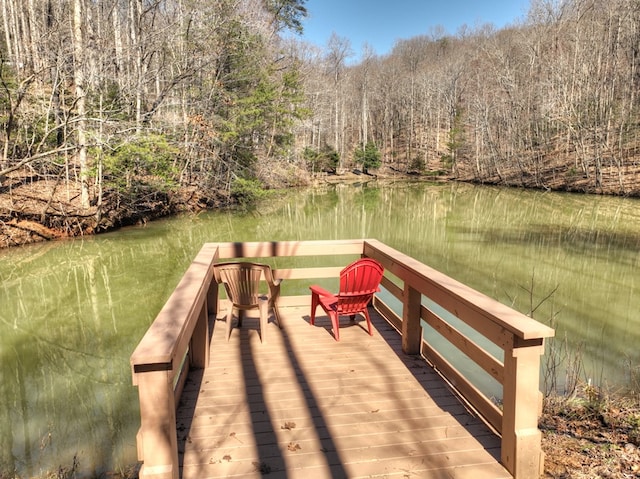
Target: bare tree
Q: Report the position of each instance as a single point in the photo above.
(339, 50)
(79, 61)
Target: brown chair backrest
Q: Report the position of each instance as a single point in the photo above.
(242, 281)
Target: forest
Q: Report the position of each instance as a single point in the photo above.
(114, 112)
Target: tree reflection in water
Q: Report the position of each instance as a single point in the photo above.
(73, 311)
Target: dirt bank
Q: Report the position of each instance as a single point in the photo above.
(587, 438)
(32, 211)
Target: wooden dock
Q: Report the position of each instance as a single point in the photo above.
(306, 406)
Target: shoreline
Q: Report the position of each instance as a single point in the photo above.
(33, 214)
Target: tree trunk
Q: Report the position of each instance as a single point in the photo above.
(78, 75)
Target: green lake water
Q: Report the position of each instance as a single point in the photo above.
(72, 312)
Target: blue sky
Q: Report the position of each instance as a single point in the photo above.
(381, 22)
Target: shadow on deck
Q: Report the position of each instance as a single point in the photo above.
(305, 406)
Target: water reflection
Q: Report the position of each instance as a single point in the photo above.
(72, 312)
(71, 315)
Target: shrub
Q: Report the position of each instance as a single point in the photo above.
(247, 192)
(417, 164)
(326, 159)
(146, 161)
(369, 156)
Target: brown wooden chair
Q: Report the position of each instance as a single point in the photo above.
(358, 283)
(241, 281)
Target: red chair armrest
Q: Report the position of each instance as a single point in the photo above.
(315, 289)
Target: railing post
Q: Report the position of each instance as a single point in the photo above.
(521, 451)
(213, 303)
(411, 329)
(158, 446)
(200, 339)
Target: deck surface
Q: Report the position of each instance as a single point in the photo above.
(305, 406)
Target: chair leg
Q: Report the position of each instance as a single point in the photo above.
(276, 314)
(366, 315)
(335, 321)
(315, 300)
(229, 319)
(263, 306)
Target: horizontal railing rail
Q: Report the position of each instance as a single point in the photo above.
(178, 340)
(520, 337)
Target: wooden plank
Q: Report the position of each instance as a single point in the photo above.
(388, 313)
(411, 328)
(522, 407)
(308, 273)
(476, 398)
(393, 288)
(166, 340)
(304, 406)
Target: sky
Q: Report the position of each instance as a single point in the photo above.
(380, 23)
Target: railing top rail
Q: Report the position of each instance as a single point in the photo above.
(433, 283)
(174, 324)
(268, 249)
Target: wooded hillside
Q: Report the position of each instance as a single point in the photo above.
(118, 111)
(549, 103)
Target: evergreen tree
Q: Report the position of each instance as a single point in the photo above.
(369, 156)
(287, 13)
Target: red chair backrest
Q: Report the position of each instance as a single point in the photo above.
(358, 282)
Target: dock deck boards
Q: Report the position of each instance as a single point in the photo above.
(303, 406)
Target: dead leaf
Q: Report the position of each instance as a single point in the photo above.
(294, 447)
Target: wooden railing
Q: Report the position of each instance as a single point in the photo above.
(179, 339)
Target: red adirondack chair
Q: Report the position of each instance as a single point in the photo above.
(358, 282)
